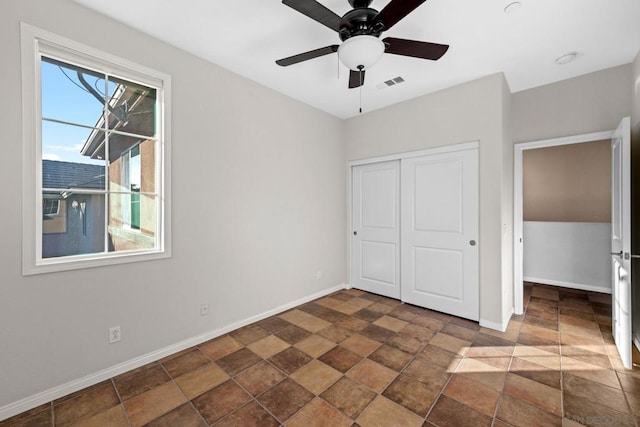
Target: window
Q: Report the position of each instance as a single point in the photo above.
(95, 142)
(131, 177)
(50, 207)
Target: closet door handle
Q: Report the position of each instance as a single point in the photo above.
(355, 233)
(617, 254)
(472, 242)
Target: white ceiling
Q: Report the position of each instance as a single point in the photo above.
(247, 36)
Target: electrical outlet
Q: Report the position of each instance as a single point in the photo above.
(204, 309)
(319, 274)
(114, 334)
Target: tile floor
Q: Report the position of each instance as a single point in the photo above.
(354, 358)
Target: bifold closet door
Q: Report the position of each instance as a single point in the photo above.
(375, 230)
(439, 249)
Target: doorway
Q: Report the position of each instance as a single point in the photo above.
(519, 223)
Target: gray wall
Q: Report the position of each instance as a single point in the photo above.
(469, 112)
(590, 103)
(568, 254)
(258, 208)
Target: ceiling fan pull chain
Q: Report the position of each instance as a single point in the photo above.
(360, 88)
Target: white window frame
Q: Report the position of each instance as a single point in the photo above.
(35, 42)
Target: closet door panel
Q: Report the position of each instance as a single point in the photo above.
(375, 243)
(439, 251)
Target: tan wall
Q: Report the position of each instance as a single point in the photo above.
(56, 223)
(568, 183)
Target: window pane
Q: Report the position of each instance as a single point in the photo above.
(67, 178)
(72, 94)
(67, 143)
(132, 108)
(132, 165)
(78, 227)
(132, 222)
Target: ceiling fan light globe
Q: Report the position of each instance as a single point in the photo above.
(360, 52)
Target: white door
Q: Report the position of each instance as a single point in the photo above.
(376, 228)
(621, 239)
(440, 232)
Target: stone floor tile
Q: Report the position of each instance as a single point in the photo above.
(220, 401)
(384, 412)
(196, 382)
(319, 413)
(154, 403)
(259, 378)
(285, 399)
(268, 346)
(349, 396)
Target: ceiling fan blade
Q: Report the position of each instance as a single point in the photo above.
(356, 79)
(317, 12)
(395, 11)
(307, 55)
(414, 48)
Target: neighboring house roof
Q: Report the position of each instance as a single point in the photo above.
(57, 174)
(131, 110)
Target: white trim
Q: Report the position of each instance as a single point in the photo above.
(34, 42)
(46, 396)
(349, 220)
(112, 64)
(571, 285)
(518, 149)
(566, 140)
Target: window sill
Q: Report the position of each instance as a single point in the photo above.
(52, 265)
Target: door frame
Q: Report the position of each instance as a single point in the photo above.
(397, 156)
(518, 149)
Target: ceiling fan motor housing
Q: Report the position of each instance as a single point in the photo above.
(359, 3)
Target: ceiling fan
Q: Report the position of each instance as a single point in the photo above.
(360, 30)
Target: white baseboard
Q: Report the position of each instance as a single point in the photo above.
(38, 399)
(495, 325)
(492, 325)
(579, 286)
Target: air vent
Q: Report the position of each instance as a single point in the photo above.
(390, 82)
